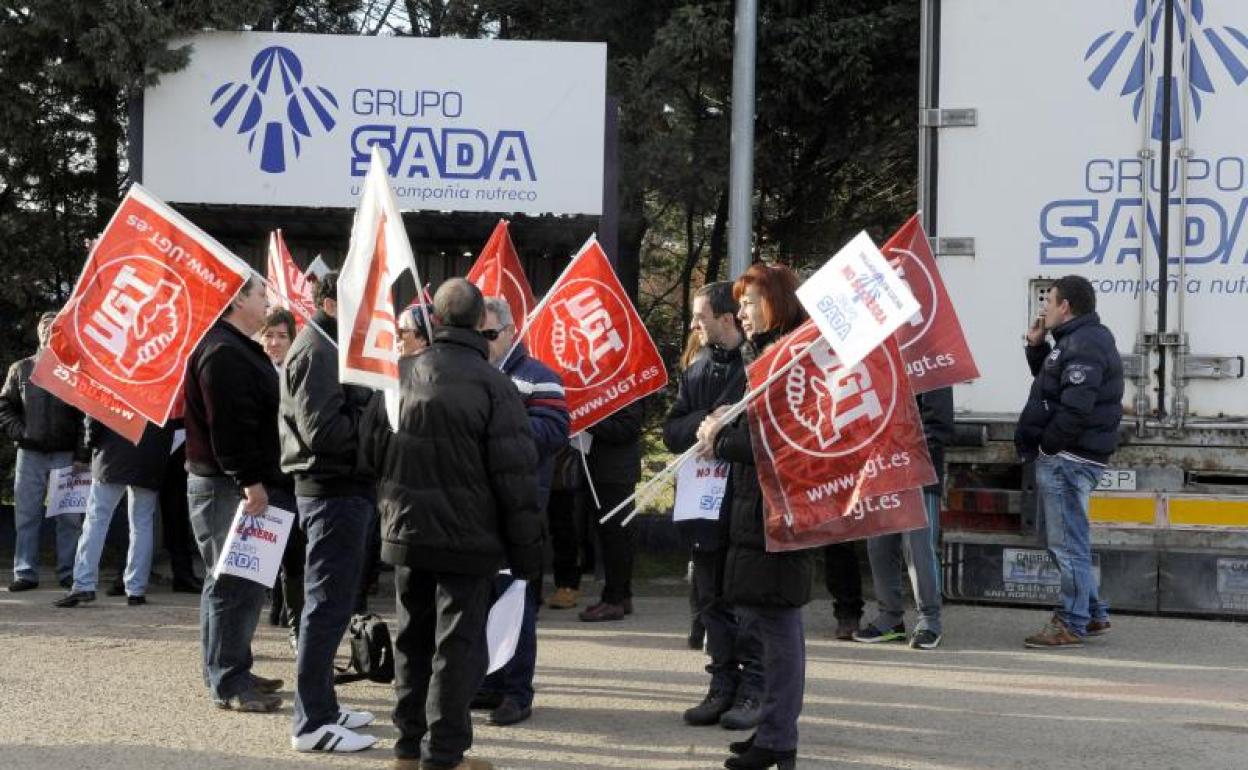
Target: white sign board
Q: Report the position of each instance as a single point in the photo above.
(857, 300)
(68, 491)
(700, 485)
(465, 125)
(254, 547)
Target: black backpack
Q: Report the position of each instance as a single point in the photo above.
(372, 655)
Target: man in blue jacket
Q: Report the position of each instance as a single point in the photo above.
(1069, 427)
(508, 693)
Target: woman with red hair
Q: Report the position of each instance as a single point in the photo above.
(766, 590)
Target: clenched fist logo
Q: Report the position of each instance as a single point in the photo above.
(141, 317)
(571, 346)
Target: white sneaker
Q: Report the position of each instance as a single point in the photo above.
(333, 738)
(353, 720)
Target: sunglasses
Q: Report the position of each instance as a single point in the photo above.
(492, 334)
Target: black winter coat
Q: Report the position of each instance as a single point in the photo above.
(615, 454)
(936, 410)
(715, 379)
(321, 418)
(1075, 403)
(752, 576)
(231, 410)
(457, 484)
(34, 418)
(114, 460)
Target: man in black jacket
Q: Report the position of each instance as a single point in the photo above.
(48, 433)
(232, 457)
(120, 469)
(921, 547)
(320, 432)
(1069, 427)
(712, 383)
(457, 491)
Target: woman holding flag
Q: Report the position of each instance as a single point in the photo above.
(768, 590)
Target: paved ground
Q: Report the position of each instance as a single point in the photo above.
(109, 686)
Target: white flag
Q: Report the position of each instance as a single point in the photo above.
(378, 255)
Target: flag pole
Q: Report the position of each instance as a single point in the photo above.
(647, 489)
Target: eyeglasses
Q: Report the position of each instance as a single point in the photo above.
(492, 334)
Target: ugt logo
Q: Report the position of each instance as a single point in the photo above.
(277, 107)
(1145, 39)
(583, 335)
(143, 315)
(827, 410)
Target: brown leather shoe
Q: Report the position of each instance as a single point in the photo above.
(1098, 627)
(1055, 635)
(564, 598)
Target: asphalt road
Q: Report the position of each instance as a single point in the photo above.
(111, 686)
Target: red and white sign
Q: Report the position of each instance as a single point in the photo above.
(830, 436)
(90, 397)
(289, 286)
(932, 341)
(498, 273)
(151, 288)
(379, 253)
(588, 331)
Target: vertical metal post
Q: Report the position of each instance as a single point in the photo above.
(927, 100)
(741, 176)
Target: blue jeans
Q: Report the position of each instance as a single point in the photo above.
(1065, 487)
(515, 680)
(101, 503)
(229, 608)
(30, 491)
(336, 528)
(784, 672)
(920, 549)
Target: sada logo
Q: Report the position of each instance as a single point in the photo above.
(274, 107)
(1142, 46)
(827, 410)
(586, 342)
(144, 314)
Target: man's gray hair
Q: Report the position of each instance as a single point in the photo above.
(458, 303)
(501, 310)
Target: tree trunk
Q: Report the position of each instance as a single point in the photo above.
(719, 239)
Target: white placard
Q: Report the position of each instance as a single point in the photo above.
(502, 629)
(253, 548)
(283, 119)
(700, 485)
(67, 491)
(857, 300)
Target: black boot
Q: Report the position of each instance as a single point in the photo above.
(740, 747)
(758, 758)
(710, 709)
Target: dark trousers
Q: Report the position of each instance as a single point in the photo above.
(370, 566)
(175, 519)
(735, 650)
(440, 658)
(335, 528)
(515, 680)
(615, 540)
(784, 666)
(565, 538)
(843, 578)
(288, 593)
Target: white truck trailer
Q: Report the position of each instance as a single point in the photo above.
(1049, 129)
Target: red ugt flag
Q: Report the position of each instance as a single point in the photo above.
(932, 341)
(588, 331)
(151, 288)
(498, 273)
(85, 394)
(835, 447)
(291, 284)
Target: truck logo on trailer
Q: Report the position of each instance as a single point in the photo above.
(274, 109)
(1126, 53)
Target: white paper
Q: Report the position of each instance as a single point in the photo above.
(253, 548)
(502, 629)
(700, 485)
(67, 491)
(857, 300)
